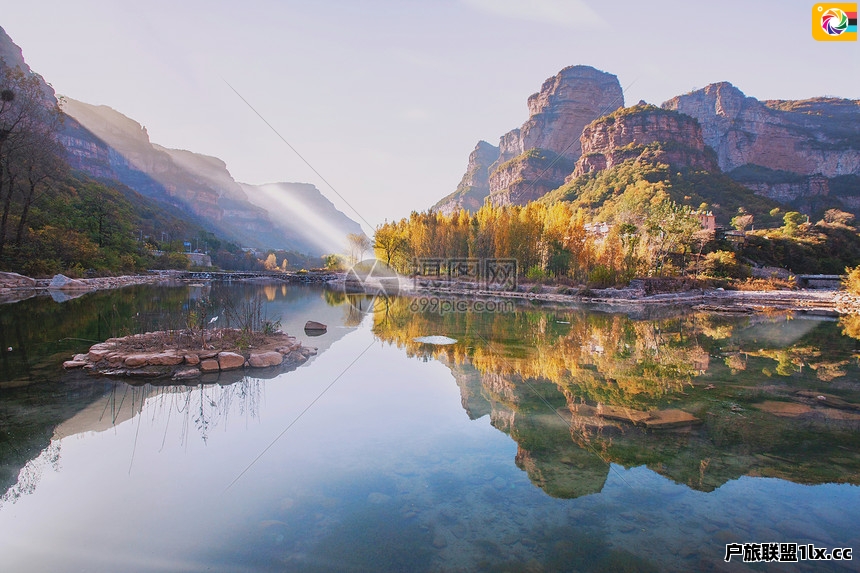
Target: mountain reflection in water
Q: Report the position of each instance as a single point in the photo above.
(575, 390)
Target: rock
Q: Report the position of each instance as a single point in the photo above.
(166, 359)
(99, 351)
(136, 360)
(671, 418)
(623, 414)
(378, 498)
(230, 360)
(14, 280)
(69, 364)
(265, 359)
(65, 283)
(209, 365)
(186, 373)
(439, 541)
(312, 326)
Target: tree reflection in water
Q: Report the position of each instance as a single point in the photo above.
(198, 410)
(766, 395)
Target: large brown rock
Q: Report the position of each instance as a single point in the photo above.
(136, 360)
(230, 360)
(166, 359)
(14, 280)
(265, 359)
(209, 365)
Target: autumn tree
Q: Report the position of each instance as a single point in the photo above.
(390, 245)
(358, 244)
(29, 154)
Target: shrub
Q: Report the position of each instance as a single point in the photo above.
(724, 264)
(536, 273)
(851, 281)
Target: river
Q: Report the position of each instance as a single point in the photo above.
(540, 439)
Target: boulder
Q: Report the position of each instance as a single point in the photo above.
(65, 283)
(166, 359)
(314, 328)
(230, 360)
(68, 364)
(14, 280)
(186, 373)
(265, 359)
(209, 365)
(136, 360)
(192, 359)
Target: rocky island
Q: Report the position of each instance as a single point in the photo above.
(186, 355)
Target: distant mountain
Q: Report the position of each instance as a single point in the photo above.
(305, 213)
(200, 185)
(800, 154)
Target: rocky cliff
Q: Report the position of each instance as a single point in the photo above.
(809, 138)
(528, 177)
(536, 157)
(566, 103)
(475, 184)
(646, 132)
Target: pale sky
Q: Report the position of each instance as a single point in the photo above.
(384, 98)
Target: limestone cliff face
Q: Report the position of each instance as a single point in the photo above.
(475, 184)
(646, 132)
(536, 157)
(566, 103)
(817, 136)
(528, 177)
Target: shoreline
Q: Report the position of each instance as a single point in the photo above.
(812, 301)
(823, 302)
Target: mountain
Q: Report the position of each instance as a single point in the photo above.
(306, 215)
(201, 186)
(644, 130)
(536, 157)
(804, 155)
(475, 185)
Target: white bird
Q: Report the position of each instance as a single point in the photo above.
(213, 319)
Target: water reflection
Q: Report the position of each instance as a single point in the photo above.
(699, 398)
(431, 465)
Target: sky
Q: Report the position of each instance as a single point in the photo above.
(385, 99)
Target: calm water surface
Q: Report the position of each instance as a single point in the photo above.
(501, 452)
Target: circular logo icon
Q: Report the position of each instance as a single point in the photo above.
(834, 21)
(370, 285)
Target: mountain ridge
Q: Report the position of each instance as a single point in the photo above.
(805, 154)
